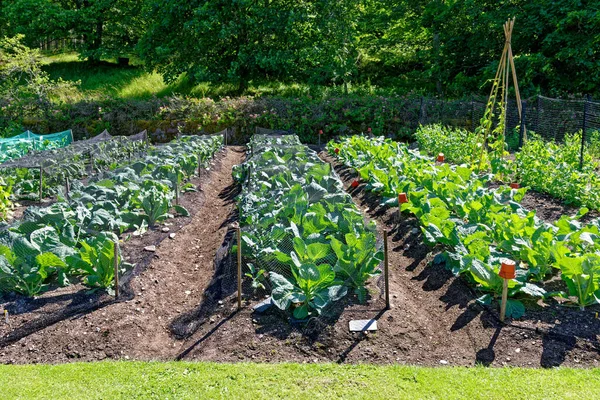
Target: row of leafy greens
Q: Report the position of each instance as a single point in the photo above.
(301, 227)
(545, 166)
(476, 227)
(74, 162)
(74, 239)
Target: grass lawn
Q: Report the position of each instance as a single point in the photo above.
(134, 82)
(182, 380)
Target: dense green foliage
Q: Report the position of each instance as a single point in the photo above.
(302, 228)
(548, 167)
(103, 28)
(75, 162)
(24, 87)
(444, 47)
(477, 227)
(554, 169)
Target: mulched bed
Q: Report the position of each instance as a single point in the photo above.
(181, 304)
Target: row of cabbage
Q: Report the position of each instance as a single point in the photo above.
(301, 228)
(20, 179)
(74, 239)
(547, 167)
(28, 142)
(476, 227)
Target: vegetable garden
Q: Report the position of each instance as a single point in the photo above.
(315, 232)
(76, 238)
(476, 227)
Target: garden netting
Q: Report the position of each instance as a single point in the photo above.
(99, 147)
(300, 198)
(27, 142)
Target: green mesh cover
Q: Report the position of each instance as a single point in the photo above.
(27, 142)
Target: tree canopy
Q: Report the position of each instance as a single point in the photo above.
(446, 47)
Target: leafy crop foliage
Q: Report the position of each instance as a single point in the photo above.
(73, 162)
(544, 166)
(554, 169)
(74, 239)
(476, 227)
(5, 203)
(457, 145)
(21, 148)
(302, 228)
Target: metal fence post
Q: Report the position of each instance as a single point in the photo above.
(523, 123)
(421, 110)
(539, 107)
(583, 129)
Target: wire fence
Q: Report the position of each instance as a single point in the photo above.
(551, 119)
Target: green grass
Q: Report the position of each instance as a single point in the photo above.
(134, 82)
(139, 380)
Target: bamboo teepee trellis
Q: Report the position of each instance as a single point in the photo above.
(501, 80)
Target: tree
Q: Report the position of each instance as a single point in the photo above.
(228, 41)
(25, 89)
(103, 28)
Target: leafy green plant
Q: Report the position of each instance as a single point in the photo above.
(95, 260)
(294, 209)
(356, 261)
(554, 169)
(582, 276)
(312, 288)
(25, 268)
(257, 277)
(77, 229)
(5, 203)
(476, 227)
(154, 199)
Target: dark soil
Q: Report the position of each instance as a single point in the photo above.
(182, 305)
(549, 208)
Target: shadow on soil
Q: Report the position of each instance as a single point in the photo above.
(568, 329)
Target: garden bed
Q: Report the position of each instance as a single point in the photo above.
(434, 319)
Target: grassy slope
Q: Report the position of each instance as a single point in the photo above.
(131, 380)
(134, 82)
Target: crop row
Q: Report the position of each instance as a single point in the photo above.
(21, 178)
(301, 228)
(476, 227)
(74, 239)
(544, 166)
(17, 147)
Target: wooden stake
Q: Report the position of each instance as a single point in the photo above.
(199, 164)
(116, 266)
(239, 267)
(504, 298)
(386, 272)
(41, 184)
(67, 186)
(505, 68)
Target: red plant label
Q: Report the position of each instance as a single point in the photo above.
(402, 198)
(508, 269)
